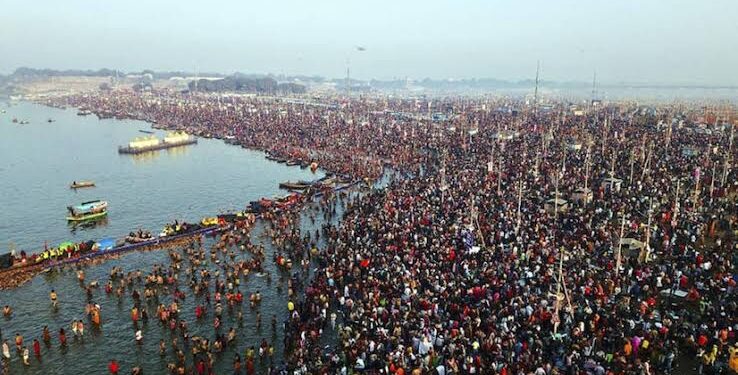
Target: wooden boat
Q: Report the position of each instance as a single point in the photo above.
(137, 239)
(299, 185)
(90, 207)
(291, 163)
(81, 184)
(275, 158)
(89, 216)
(146, 131)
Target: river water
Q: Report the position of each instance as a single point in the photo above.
(37, 163)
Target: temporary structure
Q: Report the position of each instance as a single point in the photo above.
(612, 183)
(556, 204)
(582, 195)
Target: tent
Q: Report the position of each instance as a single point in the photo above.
(582, 195)
(561, 205)
(612, 184)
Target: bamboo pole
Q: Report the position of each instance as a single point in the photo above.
(647, 248)
(586, 171)
(618, 255)
(520, 202)
(676, 201)
(712, 182)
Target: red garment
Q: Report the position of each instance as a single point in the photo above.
(113, 367)
(702, 340)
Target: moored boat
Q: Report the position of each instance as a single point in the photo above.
(87, 216)
(95, 206)
(299, 185)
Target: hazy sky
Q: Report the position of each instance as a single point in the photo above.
(624, 40)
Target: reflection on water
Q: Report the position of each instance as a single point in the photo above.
(74, 226)
(143, 157)
(149, 156)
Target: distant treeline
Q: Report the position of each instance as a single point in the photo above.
(240, 83)
(24, 72)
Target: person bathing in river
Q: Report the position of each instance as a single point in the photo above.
(6, 350)
(53, 297)
(62, 337)
(36, 348)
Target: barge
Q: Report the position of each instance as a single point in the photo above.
(151, 143)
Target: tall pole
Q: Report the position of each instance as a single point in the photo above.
(348, 81)
(586, 173)
(698, 177)
(535, 93)
(676, 201)
(646, 163)
(594, 88)
(647, 247)
(604, 133)
(728, 157)
(712, 181)
(618, 255)
(520, 202)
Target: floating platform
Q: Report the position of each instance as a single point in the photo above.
(156, 146)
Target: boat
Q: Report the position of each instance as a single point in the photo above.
(291, 163)
(50, 120)
(95, 206)
(24, 122)
(15, 120)
(275, 158)
(146, 131)
(299, 185)
(81, 184)
(209, 221)
(84, 112)
(141, 236)
(86, 217)
(151, 143)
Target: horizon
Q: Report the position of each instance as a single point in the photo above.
(626, 42)
(542, 81)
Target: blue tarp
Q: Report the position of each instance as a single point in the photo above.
(106, 243)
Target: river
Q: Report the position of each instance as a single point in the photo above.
(40, 159)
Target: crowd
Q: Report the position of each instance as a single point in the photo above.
(463, 265)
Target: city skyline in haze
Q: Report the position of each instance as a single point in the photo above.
(659, 42)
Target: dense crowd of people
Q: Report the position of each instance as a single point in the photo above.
(514, 242)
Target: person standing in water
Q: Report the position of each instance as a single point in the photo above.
(6, 350)
(62, 337)
(47, 335)
(36, 348)
(113, 367)
(25, 356)
(53, 298)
